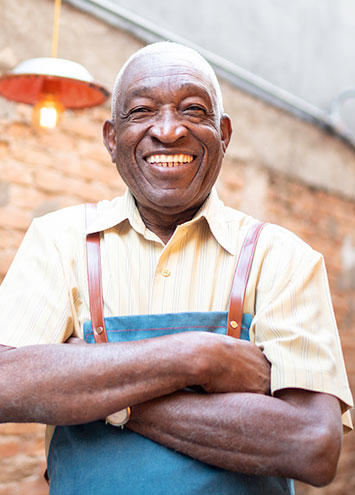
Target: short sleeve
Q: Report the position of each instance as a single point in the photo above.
(34, 303)
(294, 322)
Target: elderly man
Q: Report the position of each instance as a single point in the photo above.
(203, 412)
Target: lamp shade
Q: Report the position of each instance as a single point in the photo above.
(70, 83)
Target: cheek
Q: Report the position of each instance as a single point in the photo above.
(126, 152)
(214, 146)
(211, 138)
(214, 156)
(129, 135)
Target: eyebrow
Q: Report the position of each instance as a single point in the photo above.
(139, 92)
(194, 89)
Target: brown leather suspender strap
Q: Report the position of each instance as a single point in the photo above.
(93, 260)
(239, 285)
(240, 280)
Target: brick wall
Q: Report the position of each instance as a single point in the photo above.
(278, 168)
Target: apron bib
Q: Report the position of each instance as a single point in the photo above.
(100, 459)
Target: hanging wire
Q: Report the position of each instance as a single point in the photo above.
(55, 33)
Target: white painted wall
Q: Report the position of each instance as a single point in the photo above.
(304, 46)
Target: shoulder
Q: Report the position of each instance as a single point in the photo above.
(283, 259)
(73, 221)
(286, 244)
(61, 222)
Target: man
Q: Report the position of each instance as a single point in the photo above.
(169, 247)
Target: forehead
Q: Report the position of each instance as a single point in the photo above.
(175, 73)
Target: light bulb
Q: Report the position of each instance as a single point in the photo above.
(47, 112)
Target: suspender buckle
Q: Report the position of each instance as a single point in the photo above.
(99, 330)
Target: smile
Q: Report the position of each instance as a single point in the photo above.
(169, 160)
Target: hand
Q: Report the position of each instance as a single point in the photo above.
(232, 365)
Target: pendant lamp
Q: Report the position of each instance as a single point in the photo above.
(52, 84)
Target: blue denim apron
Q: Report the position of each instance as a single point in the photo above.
(100, 459)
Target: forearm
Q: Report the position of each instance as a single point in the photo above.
(66, 384)
(70, 384)
(248, 433)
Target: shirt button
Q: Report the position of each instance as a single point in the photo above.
(165, 272)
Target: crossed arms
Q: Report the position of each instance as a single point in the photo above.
(237, 425)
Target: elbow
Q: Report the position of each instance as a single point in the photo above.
(323, 457)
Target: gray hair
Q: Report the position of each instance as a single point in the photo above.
(160, 47)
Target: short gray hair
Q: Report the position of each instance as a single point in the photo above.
(159, 47)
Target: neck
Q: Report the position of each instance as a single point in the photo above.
(163, 224)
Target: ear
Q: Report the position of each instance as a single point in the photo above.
(226, 131)
(109, 133)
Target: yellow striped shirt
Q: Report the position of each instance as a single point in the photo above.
(44, 297)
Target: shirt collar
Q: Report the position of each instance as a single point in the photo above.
(112, 213)
(214, 212)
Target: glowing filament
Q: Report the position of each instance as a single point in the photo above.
(47, 112)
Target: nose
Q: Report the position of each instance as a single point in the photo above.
(168, 127)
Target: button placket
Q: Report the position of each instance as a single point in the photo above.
(162, 294)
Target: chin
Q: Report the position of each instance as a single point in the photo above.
(172, 203)
(170, 206)
(169, 199)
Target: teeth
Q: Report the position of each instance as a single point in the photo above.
(169, 160)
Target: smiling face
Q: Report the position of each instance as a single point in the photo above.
(169, 136)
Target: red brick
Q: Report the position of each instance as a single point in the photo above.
(94, 191)
(5, 238)
(9, 448)
(52, 181)
(107, 173)
(13, 171)
(56, 139)
(5, 262)
(233, 179)
(93, 151)
(36, 487)
(7, 489)
(4, 148)
(24, 111)
(11, 216)
(29, 486)
(55, 182)
(99, 114)
(76, 166)
(66, 200)
(20, 130)
(21, 428)
(15, 470)
(27, 197)
(31, 154)
(67, 163)
(33, 445)
(81, 127)
(16, 237)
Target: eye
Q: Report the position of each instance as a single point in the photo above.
(140, 112)
(195, 111)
